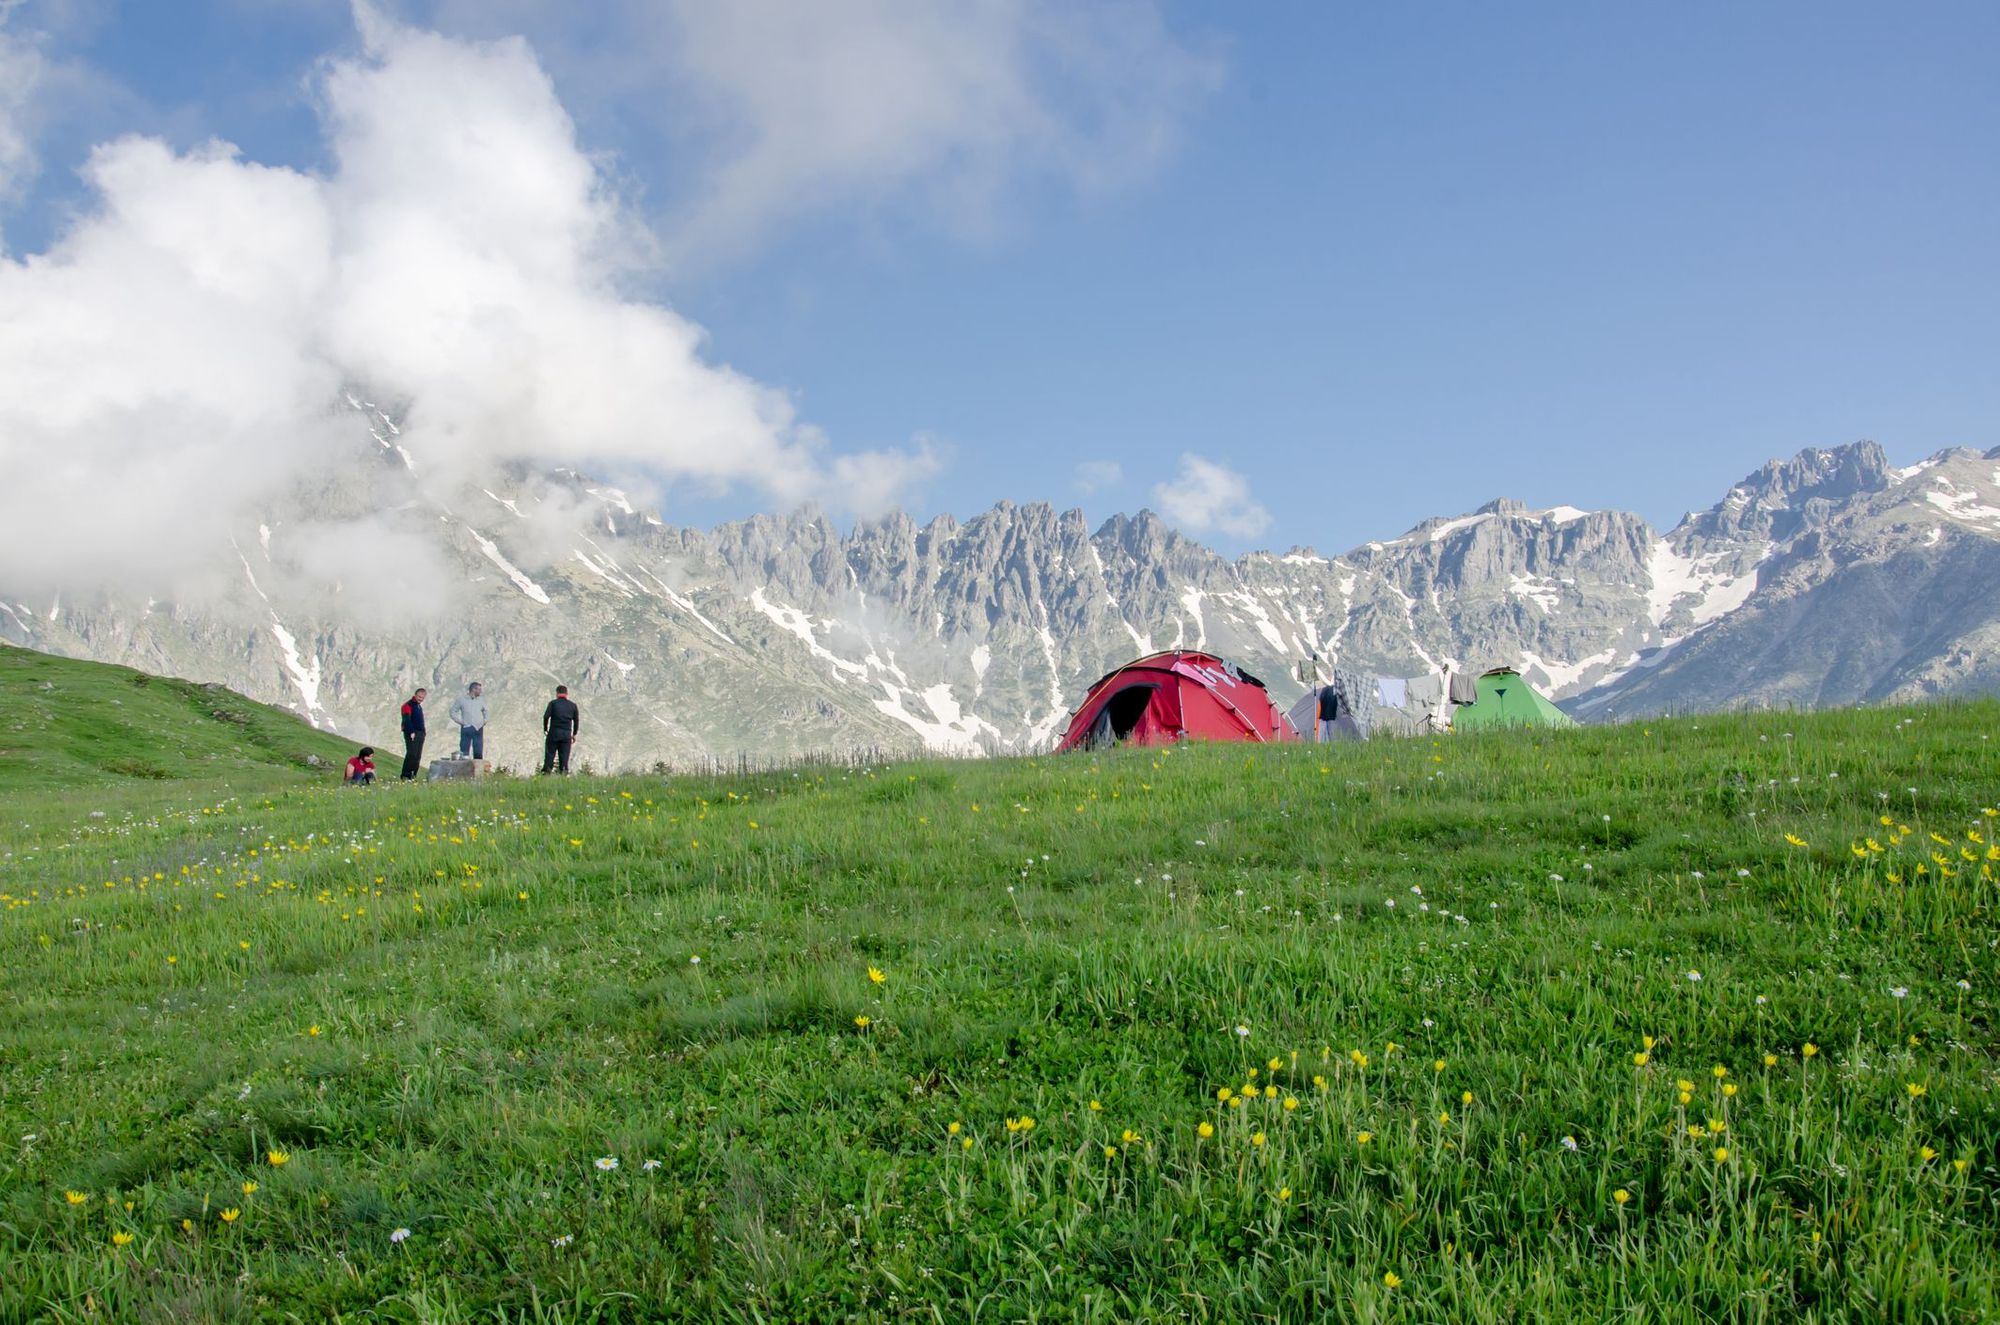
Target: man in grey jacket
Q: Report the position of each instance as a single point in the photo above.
(469, 712)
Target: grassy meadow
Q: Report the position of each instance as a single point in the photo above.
(66, 723)
(1672, 1022)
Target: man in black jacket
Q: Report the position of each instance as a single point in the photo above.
(560, 723)
(1329, 710)
(413, 734)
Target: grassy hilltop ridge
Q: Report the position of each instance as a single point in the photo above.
(1221, 1033)
(69, 723)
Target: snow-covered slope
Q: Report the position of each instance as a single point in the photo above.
(1828, 577)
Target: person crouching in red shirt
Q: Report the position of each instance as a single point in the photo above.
(361, 768)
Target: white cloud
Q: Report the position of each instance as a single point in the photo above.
(826, 104)
(1096, 475)
(1204, 497)
(175, 358)
(792, 107)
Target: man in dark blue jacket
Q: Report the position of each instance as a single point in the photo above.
(560, 723)
(413, 734)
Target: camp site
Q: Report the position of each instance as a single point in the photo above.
(999, 662)
(1217, 1011)
(1184, 695)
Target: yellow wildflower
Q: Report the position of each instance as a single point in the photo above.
(1639, 1059)
(231, 1215)
(1363, 1138)
(1290, 1104)
(278, 1158)
(1392, 1280)
(76, 1198)
(1621, 1196)
(862, 1021)
(120, 1238)
(1721, 1154)
(1256, 1138)
(249, 1187)
(1205, 1131)
(875, 975)
(1809, 1050)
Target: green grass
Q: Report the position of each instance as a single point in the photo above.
(443, 1004)
(65, 723)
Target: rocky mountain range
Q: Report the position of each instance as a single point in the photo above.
(1828, 578)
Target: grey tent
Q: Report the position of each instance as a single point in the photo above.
(1357, 708)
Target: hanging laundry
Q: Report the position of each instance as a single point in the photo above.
(1392, 692)
(1464, 688)
(1427, 693)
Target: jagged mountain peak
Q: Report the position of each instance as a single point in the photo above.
(1826, 576)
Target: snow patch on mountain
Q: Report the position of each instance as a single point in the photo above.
(1716, 592)
(1965, 506)
(1539, 590)
(305, 679)
(508, 568)
(799, 624)
(1558, 677)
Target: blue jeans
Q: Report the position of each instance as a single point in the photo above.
(472, 741)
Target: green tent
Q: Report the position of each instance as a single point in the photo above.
(1507, 700)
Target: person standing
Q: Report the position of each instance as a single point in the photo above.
(469, 712)
(1329, 710)
(413, 734)
(561, 721)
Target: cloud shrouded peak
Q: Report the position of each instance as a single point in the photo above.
(1204, 497)
(175, 357)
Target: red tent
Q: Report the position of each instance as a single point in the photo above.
(1164, 697)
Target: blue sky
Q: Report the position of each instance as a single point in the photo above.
(1381, 261)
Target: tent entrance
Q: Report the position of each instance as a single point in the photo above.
(1122, 714)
